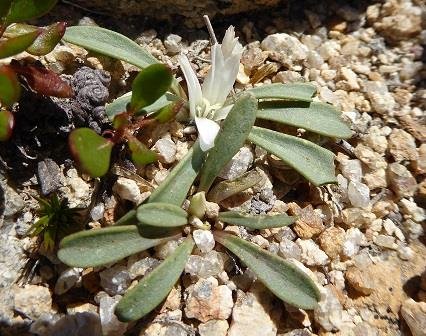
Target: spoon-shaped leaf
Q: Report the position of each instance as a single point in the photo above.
(175, 187)
(161, 215)
(48, 39)
(18, 44)
(141, 155)
(316, 117)
(7, 122)
(312, 161)
(225, 189)
(282, 278)
(230, 138)
(298, 91)
(155, 286)
(149, 85)
(256, 222)
(10, 86)
(103, 246)
(109, 43)
(24, 10)
(91, 151)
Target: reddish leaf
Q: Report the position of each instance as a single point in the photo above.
(48, 39)
(10, 87)
(6, 125)
(43, 81)
(141, 155)
(120, 120)
(18, 44)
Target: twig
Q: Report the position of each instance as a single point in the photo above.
(67, 2)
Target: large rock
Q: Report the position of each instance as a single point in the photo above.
(193, 11)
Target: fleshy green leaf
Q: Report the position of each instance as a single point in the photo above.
(103, 246)
(161, 215)
(7, 122)
(315, 117)
(24, 10)
(141, 155)
(230, 138)
(48, 39)
(17, 29)
(91, 151)
(168, 112)
(297, 91)
(10, 86)
(175, 187)
(312, 161)
(149, 85)
(225, 189)
(119, 105)
(109, 43)
(256, 222)
(281, 277)
(154, 287)
(15, 45)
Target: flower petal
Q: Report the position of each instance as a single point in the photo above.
(222, 113)
(230, 45)
(194, 88)
(211, 85)
(207, 132)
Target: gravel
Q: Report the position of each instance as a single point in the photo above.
(348, 237)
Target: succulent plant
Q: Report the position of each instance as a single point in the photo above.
(162, 218)
(16, 37)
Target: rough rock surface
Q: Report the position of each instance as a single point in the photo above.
(167, 9)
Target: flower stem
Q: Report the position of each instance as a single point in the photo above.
(210, 29)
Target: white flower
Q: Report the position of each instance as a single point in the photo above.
(206, 103)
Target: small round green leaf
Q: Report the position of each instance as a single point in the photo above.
(6, 125)
(91, 151)
(10, 86)
(149, 85)
(161, 215)
(141, 155)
